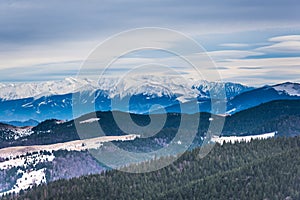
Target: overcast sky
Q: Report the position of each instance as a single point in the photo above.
(252, 42)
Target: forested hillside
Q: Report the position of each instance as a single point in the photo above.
(261, 169)
(281, 116)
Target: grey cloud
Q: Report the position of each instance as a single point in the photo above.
(251, 68)
(219, 68)
(32, 21)
(43, 23)
(268, 77)
(285, 38)
(235, 45)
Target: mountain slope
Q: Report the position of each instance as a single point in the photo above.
(29, 122)
(12, 133)
(258, 170)
(282, 116)
(148, 85)
(135, 94)
(41, 101)
(265, 94)
(13, 91)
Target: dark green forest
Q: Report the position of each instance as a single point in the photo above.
(281, 116)
(261, 169)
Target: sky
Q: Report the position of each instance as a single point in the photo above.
(251, 42)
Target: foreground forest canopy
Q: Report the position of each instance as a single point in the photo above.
(261, 169)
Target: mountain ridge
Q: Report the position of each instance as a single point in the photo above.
(140, 99)
(144, 99)
(281, 116)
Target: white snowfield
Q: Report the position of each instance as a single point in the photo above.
(291, 89)
(77, 145)
(90, 120)
(28, 180)
(15, 158)
(29, 177)
(19, 132)
(32, 160)
(248, 138)
(22, 132)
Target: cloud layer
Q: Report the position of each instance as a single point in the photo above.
(50, 39)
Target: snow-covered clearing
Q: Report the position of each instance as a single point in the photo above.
(77, 145)
(24, 156)
(90, 120)
(28, 180)
(24, 161)
(248, 138)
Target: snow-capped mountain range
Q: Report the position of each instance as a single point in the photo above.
(44, 100)
(147, 85)
(55, 99)
(13, 91)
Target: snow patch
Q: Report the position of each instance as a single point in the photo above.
(24, 161)
(90, 120)
(248, 138)
(231, 111)
(17, 132)
(77, 145)
(28, 180)
(289, 88)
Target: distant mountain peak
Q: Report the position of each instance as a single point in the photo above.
(148, 85)
(292, 89)
(54, 99)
